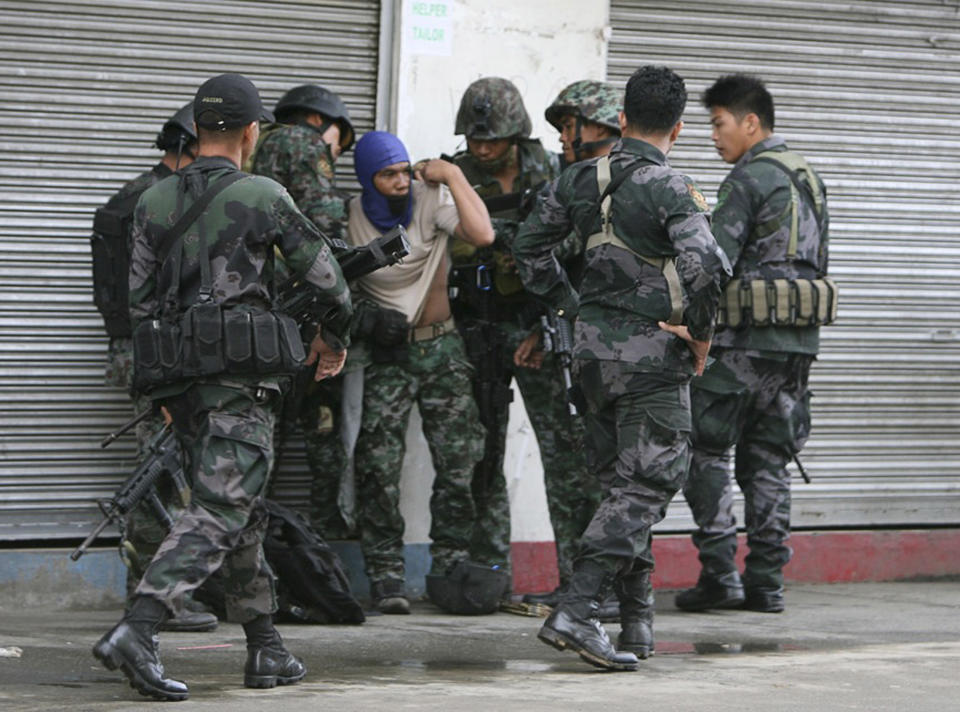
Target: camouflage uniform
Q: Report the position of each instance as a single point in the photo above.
(226, 422)
(436, 376)
(495, 315)
(492, 333)
(633, 375)
(755, 395)
(298, 158)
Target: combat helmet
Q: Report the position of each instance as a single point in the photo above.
(599, 102)
(469, 589)
(312, 97)
(178, 131)
(492, 108)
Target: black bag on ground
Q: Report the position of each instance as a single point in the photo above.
(312, 586)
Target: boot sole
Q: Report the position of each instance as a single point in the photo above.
(723, 604)
(265, 682)
(107, 655)
(562, 642)
(179, 628)
(641, 651)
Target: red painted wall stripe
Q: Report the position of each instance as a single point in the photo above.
(818, 557)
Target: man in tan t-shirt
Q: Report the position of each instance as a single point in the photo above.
(418, 357)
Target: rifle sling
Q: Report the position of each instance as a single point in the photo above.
(192, 213)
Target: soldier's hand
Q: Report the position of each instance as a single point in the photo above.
(434, 171)
(528, 353)
(329, 361)
(699, 349)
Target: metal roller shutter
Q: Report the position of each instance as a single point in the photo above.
(870, 93)
(84, 88)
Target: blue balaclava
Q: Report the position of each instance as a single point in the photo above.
(374, 151)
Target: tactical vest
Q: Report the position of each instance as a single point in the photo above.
(491, 270)
(761, 296)
(208, 338)
(111, 259)
(606, 236)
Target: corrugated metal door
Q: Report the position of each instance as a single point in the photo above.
(84, 88)
(870, 93)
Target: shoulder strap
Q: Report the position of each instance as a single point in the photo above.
(792, 163)
(193, 212)
(606, 236)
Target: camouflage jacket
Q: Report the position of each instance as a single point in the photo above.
(656, 212)
(757, 193)
(242, 226)
(298, 159)
(537, 167)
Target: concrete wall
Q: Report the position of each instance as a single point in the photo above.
(443, 46)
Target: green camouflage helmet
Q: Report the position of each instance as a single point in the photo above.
(599, 102)
(492, 108)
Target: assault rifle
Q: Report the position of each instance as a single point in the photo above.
(164, 458)
(296, 300)
(558, 338)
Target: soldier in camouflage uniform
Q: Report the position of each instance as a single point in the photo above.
(143, 532)
(300, 153)
(495, 316)
(771, 220)
(418, 357)
(587, 115)
(645, 306)
(208, 348)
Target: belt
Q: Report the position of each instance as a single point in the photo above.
(432, 331)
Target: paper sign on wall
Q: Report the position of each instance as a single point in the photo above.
(429, 27)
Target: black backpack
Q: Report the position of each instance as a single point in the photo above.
(111, 259)
(312, 586)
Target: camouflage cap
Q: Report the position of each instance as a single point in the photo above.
(492, 108)
(599, 102)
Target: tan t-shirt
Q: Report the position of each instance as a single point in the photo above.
(404, 286)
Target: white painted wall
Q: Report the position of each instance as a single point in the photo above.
(443, 46)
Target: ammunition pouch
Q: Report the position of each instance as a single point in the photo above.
(778, 302)
(209, 339)
(469, 589)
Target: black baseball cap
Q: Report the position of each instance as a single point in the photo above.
(228, 101)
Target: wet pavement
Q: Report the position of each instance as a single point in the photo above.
(871, 647)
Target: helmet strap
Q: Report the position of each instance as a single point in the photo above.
(581, 149)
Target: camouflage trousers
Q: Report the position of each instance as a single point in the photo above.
(638, 446)
(571, 495)
(436, 376)
(758, 406)
(226, 431)
(143, 530)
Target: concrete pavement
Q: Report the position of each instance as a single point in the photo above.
(866, 646)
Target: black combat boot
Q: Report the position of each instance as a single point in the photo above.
(132, 645)
(550, 598)
(574, 623)
(636, 614)
(712, 591)
(268, 663)
(764, 600)
(388, 597)
(193, 617)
